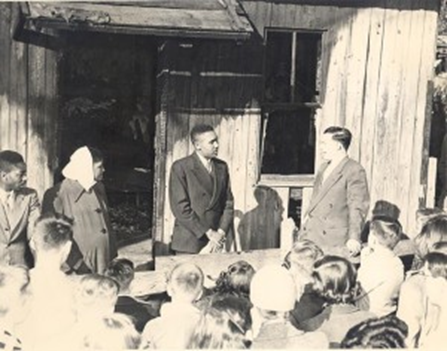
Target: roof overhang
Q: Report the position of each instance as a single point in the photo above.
(217, 19)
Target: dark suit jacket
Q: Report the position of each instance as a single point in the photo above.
(16, 230)
(199, 202)
(338, 207)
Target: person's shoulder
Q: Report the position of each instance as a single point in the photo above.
(183, 162)
(25, 191)
(354, 165)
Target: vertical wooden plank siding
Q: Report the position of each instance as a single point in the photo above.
(5, 79)
(376, 66)
(28, 105)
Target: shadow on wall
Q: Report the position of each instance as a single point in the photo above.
(259, 228)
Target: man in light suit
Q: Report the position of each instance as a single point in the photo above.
(19, 209)
(200, 195)
(340, 200)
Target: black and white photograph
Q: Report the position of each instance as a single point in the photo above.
(223, 174)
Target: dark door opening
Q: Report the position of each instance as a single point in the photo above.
(108, 101)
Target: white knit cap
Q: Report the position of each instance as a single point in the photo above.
(272, 288)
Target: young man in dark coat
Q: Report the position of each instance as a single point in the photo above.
(200, 195)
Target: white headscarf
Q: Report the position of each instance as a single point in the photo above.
(80, 168)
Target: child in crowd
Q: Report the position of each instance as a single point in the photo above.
(122, 271)
(235, 280)
(51, 290)
(300, 261)
(224, 324)
(412, 297)
(94, 298)
(177, 318)
(433, 230)
(381, 272)
(111, 332)
(434, 322)
(273, 295)
(335, 281)
(13, 282)
(387, 332)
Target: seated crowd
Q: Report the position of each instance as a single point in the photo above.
(310, 300)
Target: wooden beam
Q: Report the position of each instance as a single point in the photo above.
(154, 282)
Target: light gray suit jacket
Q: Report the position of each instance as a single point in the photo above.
(338, 207)
(16, 230)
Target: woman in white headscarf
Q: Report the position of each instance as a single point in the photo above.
(81, 196)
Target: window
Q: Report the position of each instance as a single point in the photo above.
(291, 95)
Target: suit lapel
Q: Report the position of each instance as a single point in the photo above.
(330, 181)
(202, 174)
(4, 223)
(17, 211)
(218, 181)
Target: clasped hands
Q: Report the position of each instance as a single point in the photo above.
(217, 237)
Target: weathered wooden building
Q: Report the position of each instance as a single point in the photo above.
(270, 75)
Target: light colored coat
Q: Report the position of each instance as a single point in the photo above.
(338, 206)
(16, 230)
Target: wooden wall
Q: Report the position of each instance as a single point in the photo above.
(218, 83)
(377, 70)
(28, 106)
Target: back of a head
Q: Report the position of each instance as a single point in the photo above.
(121, 270)
(112, 332)
(433, 231)
(340, 134)
(217, 329)
(335, 279)
(386, 230)
(96, 294)
(378, 333)
(236, 279)
(436, 263)
(9, 159)
(52, 232)
(200, 129)
(186, 282)
(304, 254)
(273, 289)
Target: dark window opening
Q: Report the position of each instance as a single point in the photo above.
(291, 94)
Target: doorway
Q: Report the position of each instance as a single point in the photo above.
(108, 101)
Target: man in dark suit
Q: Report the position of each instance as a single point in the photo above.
(340, 199)
(200, 195)
(19, 209)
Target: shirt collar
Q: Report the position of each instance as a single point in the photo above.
(206, 162)
(4, 195)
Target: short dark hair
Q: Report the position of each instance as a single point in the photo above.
(340, 134)
(236, 279)
(97, 155)
(122, 270)
(8, 159)
(387, 230)
(437, 264)
(335, 279)
(52, 231)
(200, 129)
(433, 231)
(388, 332)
